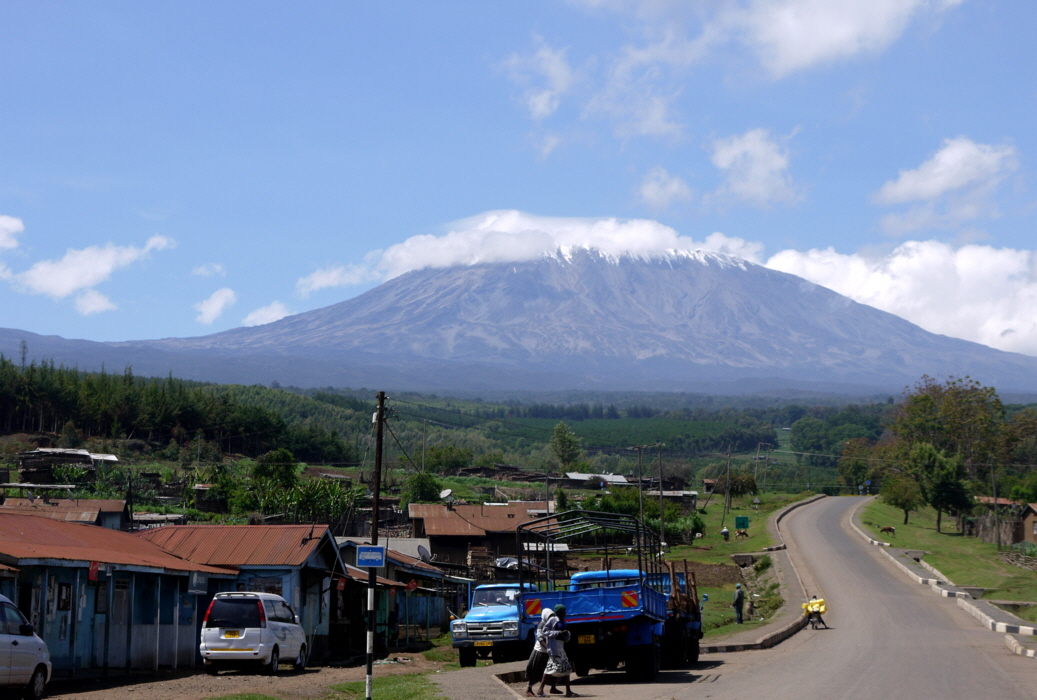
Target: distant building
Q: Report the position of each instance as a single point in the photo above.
(111, 514)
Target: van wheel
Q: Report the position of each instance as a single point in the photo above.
(34, 691)
(300, 661)
(275, 661)
(466, 655)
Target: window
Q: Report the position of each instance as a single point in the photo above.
(1035, 527)
(14, 618)
(286, 613)
(234, 612)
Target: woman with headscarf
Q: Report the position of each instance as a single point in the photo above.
(538, 657)
(558, 665)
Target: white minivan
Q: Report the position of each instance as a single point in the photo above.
(251, 629)
(24, 658)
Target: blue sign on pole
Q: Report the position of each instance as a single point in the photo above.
(868, 482)
(370, 556)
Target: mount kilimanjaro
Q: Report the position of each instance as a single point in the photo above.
(578, 319)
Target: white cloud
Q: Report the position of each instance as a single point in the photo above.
(10, 227)
(85, 268)
(213, 307)
(547, 145)
(976, 292)
(638, 87)
(266, 314)
(959, 164)
(550, 69)
(793, 35)
(92, 301)
(756, 169)
(659, 189)
(954, 186)
(337, 276)
(209, 270)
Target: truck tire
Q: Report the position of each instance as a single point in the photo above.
(676, 648)
(581, 668)
(693, 651)
(466, 655)
(643, 663)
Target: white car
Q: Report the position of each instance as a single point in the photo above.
(251, 629)
(24, 658)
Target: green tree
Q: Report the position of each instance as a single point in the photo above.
(959, 417)
(421, 487)
(447, 459)
(565, 445)
(939, 477)
(69, 436)
(902, 492)
(561, 501)
(279, 466)
(810, 435)
(855, 462)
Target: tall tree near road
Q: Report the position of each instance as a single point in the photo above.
(939, 478)
(902, 492)
(960, 416)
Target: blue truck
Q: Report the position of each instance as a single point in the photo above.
(493, 626)
(644, 618)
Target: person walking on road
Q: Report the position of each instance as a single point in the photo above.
(538, 657)
(558, 665)
(738, 603)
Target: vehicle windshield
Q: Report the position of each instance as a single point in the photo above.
(234, 612)
(495, 596)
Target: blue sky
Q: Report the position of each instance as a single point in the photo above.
(176, 169)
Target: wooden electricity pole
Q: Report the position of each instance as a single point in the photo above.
(379, 419)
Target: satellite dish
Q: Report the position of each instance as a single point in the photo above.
(424, 553)
(445, 494)
(32, 496)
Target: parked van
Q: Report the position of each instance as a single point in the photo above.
(251, 629)
(24, 658)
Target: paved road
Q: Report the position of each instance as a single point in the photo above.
(890, 639)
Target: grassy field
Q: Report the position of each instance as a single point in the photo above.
(410, 686)
(965, 560)
(712, 549)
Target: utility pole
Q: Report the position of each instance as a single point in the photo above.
(662, 522)
(424, 427)
(640, 486)
(727, 496)
(379, 419)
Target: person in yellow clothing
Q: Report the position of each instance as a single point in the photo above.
(813, 609)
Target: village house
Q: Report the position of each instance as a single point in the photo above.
(111, 514)
(296, 562)
(101, 598)
(458, 532)
(1029, 519)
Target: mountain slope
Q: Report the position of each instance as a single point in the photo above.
(583, 319)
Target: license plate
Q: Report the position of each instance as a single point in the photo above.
(484, 644)
(585, 639)
(231, 634)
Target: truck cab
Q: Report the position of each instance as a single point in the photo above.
(493, 625)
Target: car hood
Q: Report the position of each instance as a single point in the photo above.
(492, 613)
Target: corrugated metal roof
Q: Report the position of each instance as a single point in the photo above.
(472, 520)
(362, 576)
(84, 510)
(240, 545)
(406, 545)
(607, 478)
(30, 537)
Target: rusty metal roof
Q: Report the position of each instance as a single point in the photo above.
(473, 520)
(83, 510)
(30, 537)
(361, 575)
(240, 545)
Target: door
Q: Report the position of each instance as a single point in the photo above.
(5, 650)
(22, 649)
(295, 632)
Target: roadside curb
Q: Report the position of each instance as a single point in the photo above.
(943, 587)
(974, 609)
(765, 642)
(862, 533)
(1018, 648)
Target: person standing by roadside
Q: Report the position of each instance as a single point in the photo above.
(558, 665)
(738, 603)
(538, 657)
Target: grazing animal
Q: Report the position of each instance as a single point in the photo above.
(741, 533)
(890, 529)
(698, 535)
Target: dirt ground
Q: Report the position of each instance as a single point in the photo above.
(194, 685)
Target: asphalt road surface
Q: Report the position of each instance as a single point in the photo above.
(890, 639)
